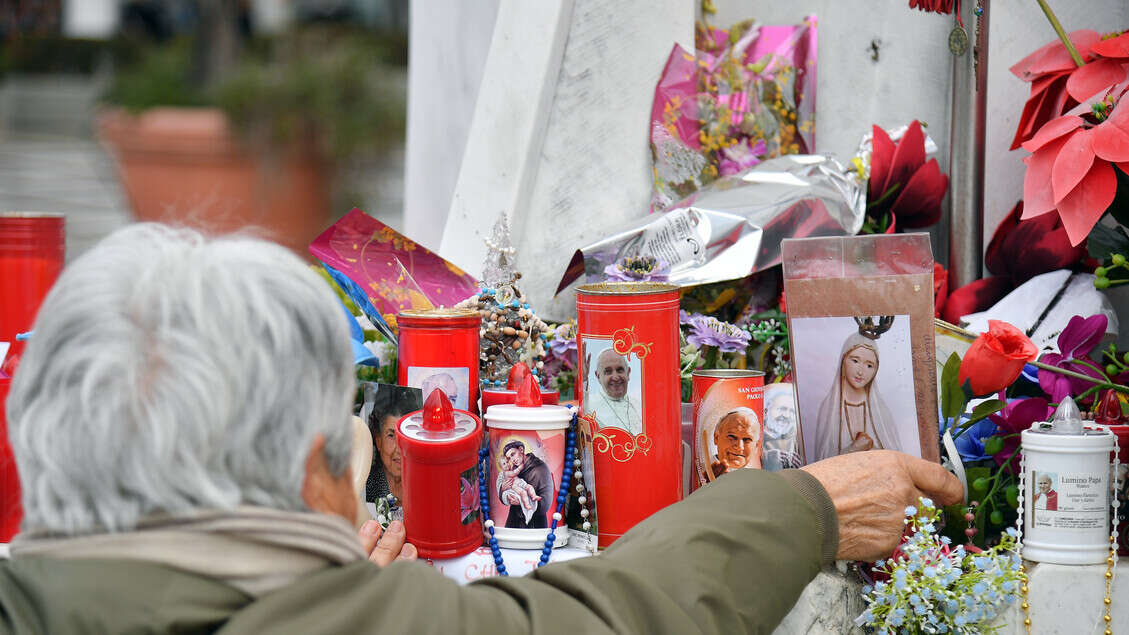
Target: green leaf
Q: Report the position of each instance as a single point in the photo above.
(952, 397)
(1119, 208)
(985, 408)
(1104, 241)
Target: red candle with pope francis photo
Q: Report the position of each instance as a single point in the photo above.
(627, 340)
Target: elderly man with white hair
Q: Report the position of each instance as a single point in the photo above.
(181, 424)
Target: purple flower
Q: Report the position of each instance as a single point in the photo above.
(688, 319)
(638, 269)
(1075, 342)
(709, 331)
(563, 340)
(740, 157)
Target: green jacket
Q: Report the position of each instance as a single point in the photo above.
(731, 558)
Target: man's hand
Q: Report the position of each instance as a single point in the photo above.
(871, 490)
(384, 546)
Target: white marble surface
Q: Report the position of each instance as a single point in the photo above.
(479, 563)
(590, 168)
(447, 47)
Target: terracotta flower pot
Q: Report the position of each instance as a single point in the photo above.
(184, 166)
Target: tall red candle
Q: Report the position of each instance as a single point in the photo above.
(438, 348)
(32, 249)
(628, 376)
(442, 515)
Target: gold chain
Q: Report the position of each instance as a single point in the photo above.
(1108, 601)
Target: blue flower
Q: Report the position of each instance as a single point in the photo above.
(945, 540)
(970, 443)
(980, 588)
(927, 502)
(910, 510)
(930, 572)
(867, 589)
(1012, 532)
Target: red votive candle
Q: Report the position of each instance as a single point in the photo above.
(438, 348)
(632, 420)
(32, 250)
(508, 395)
(442, 512)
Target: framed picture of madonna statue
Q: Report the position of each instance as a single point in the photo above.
(860, 320)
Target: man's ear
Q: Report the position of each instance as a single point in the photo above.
(321, 490)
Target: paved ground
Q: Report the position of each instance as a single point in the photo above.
(68, 175)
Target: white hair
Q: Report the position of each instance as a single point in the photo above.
(169, 372)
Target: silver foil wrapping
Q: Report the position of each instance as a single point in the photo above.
(733, 227)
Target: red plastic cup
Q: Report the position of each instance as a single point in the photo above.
(10, 509)
(32, 251)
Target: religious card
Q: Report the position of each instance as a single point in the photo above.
(860, 320)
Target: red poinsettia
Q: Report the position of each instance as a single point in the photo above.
(1049, 69)
(905, 186)
(1071, 168)
(935, 6)
(1019, 250)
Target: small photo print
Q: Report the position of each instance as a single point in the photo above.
(469, 505)
(455, 382)
(852, 375)
(383, 407)
(1044, 491)
(613, 386)
(526, 474)
(781, 429)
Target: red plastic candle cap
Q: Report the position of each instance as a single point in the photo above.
(1109, 409)
(529, 393)
(518, 373)
(438, 415)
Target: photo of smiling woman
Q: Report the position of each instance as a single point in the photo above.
(847, 400)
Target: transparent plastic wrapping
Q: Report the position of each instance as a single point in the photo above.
(860, 317)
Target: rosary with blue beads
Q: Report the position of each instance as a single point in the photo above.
(562, 496)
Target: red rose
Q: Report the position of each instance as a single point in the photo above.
(996, 358)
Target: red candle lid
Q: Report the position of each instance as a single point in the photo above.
(438, 421)
(529, 393)
(518, 373)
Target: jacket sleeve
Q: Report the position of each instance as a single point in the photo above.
(731, 558)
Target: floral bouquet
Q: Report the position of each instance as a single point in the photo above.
(932, 587)
(561, 359)
(747, 94)
(707, 342)
(1012, 392)
(1076, 130)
